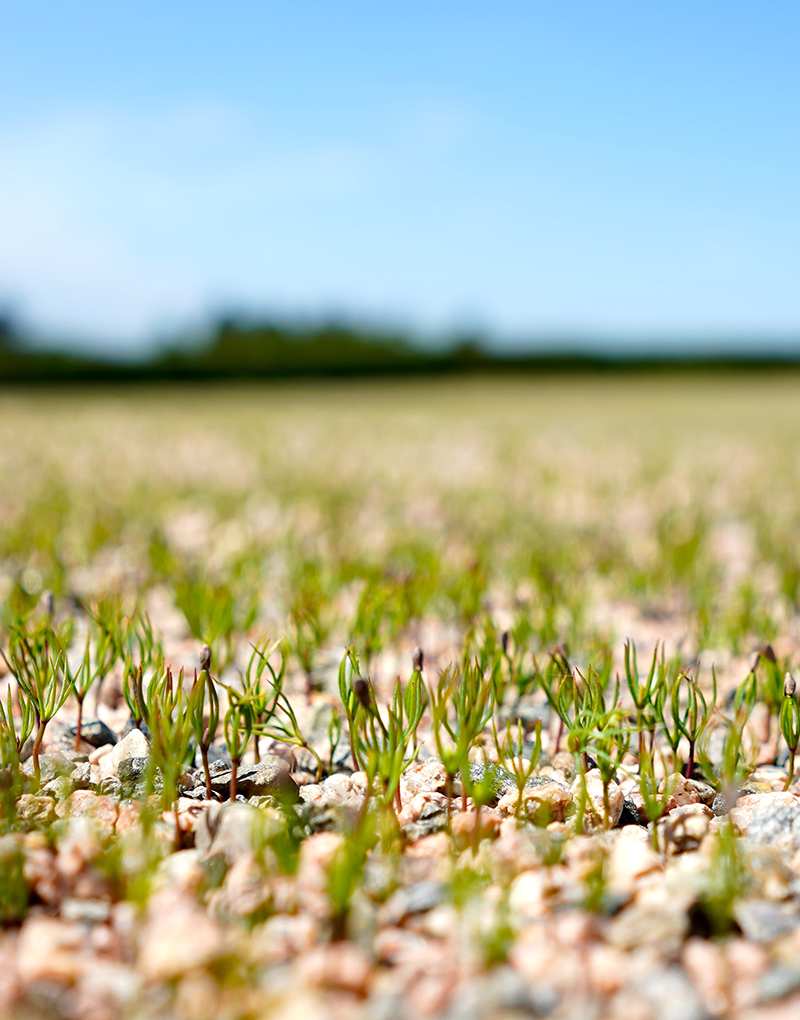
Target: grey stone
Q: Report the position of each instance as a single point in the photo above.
(706, 793)
(775, 825)
(630, 813)
(96, 733)
(672, 996)
(664, 927)
(51, 766)
(132, 770)
(270, 778)
(779, 982)
(82, 776)
(764, 921)
(502, 781)
(59, 788)
(198, 793)
(111, 786)
(225, 831)
(432, 818)
(416, 899)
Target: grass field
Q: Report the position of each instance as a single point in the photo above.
(457, 790)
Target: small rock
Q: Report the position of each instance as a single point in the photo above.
(683, 828)
(341, 965)
(631, 857)
(51, 766)
(630, 812)
(661, 925)
(226, 831)
(769, 819)
(96, 733)
(464, 823)
(245, 890)
(416, 899)
(59, 788)
(270, 778)
(423, 815)
(423, 777)
(134, 745)
(133, 770)
(110, 786)
(81, 777)
(763, 921)
(35, 811)
(178, 937)
(593, 816)
(51, 950)
(500, 780)
(683, 789)
(671, 996)
(83, 803)
(705, 794)
(542, 803)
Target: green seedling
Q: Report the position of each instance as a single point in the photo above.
(642, 693)
(271, 710)
(345, 871)
(510, 753)
(790, 723)
(382, 745)
(46, 681)
(611, 743)
(14, 735)
(170, 718)
(684, 713)
(95, 669)
(461, 706)
(655, 795)
(238, 729)
(771, 688)
(205, 720)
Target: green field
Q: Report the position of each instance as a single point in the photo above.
(531, 822)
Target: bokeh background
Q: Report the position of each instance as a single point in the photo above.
(612, 178)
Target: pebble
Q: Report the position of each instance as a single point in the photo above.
(684, 828)
(423, 777)
(542, 803)
(100, 809)
(423, 815)
(178, 936)
(593, 820)
(226, 831)
(96, 733)
(769, 819)
(763, 921)
(661, 925)
(35, 811)
(50, 949)
(51, 766)
(270, 778)
(463, 826)
(341, 965)
(133, 745)
(632, 856)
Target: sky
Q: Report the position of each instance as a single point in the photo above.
(618, 171)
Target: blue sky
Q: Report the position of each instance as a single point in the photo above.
(619, 170)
